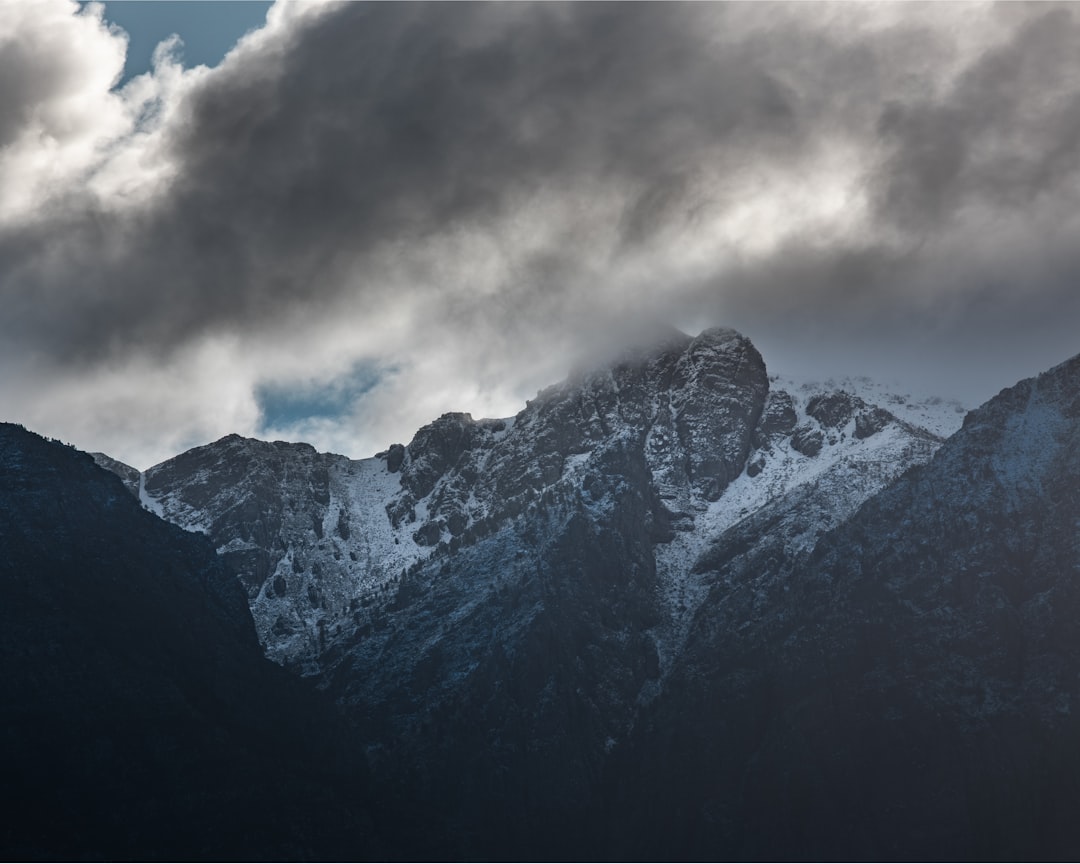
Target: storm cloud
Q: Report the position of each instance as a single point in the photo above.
(462, 201)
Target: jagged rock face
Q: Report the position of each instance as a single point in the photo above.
(498, 600)
(253, 492)
(320, 540)
(140, 719)
(691, 408)
(914, 675)
(778, 419)
(306, 532)
(316, 538)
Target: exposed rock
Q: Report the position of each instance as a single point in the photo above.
(807, 440)
(427, 534)
(436, 449)
(779, 418)
(833, 410)
(870, 421)
(395, 458)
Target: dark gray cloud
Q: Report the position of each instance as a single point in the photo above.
(1002, 136)
(513, 180)
(389, 122)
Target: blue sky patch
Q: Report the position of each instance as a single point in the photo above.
(283, 405)
(209, 30)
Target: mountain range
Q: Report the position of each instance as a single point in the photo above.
(675, 608)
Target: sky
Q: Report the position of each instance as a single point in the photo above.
(356, 217)
(207, 29)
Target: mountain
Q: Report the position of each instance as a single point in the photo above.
(497, 602)
(139, 716)
(906, 689)
(675, 608)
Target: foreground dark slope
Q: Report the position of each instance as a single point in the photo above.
(910, 689)
(139, 718)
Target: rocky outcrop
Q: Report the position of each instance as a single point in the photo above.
(690, 408)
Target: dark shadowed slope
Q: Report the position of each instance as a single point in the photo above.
(139, 718)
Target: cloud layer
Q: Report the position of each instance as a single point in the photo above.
(466, 200)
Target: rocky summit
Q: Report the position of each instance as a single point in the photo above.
(317, 539)
(499, 601)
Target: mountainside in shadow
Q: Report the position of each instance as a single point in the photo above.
(139, 717)
(908, 689)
